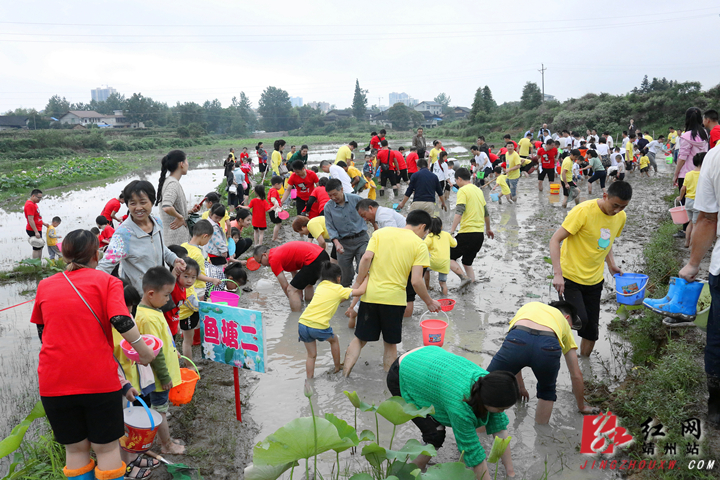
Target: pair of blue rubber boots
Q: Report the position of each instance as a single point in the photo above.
(680, 303)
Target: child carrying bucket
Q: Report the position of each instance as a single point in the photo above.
(157, 284)
(314, 323)
(501, 181)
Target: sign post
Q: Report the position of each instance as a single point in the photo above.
(233, 336)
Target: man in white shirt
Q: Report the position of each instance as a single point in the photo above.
(707, 202)
(379, 217)
(653, 148)
(338, 171)
(609, 140)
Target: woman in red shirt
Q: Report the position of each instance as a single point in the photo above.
(77, 374)
(304, 181)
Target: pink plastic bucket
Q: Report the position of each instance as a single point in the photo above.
(231, 299)
(679, 214)
(293, 194)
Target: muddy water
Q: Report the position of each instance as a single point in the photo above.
(510, 270)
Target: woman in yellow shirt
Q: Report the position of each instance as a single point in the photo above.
(439, 244)
(276, 159)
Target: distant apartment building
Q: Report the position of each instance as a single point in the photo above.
(428, 106)
(323, 106)
(86, 118)
(101, 94)
(403, 98)
(296, 101)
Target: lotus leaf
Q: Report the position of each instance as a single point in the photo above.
(374, 454)
(359, 404)
(345, 431)
(443, 471)
(266, 472)
(412, 449)
(362, 476)
(296, 440)
(498, 448)
(397, 411)
(229, 354)
(367, 436)
(404, 471)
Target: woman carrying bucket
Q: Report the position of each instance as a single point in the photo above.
(77, 374)
(465, 398)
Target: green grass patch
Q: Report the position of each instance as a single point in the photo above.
(661, 256)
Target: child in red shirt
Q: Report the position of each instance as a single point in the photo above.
(259, 208)
(106, 231)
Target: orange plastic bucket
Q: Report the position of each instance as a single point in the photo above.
(183, 393)
(554, 188)
(141, 425)
(433, 331)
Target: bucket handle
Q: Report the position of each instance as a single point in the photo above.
(144, 405)
(213, 287)
(631, 294)
(193, 364)
(446, 316)
(676, 203)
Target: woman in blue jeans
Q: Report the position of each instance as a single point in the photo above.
(539, 335)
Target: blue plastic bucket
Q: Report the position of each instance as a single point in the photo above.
(630, 288)
(494, 197)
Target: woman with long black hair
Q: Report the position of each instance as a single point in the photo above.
(171, 198)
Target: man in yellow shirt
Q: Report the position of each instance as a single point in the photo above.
(525, 146)
(587, 237)
(629, 144)
(345, 153)
(392, 255)
(566, 177)
(472, 215)
(435, 151)
(535, 331)
(513, 164)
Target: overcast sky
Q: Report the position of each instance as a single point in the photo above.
(194, 51)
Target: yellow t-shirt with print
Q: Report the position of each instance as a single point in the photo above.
(512, 161)
(185, 311)
(592, 233)
(196, 254)
(550, 317)
(439, 247)
(473, 218)
(434, 153)
(151, 321)
(324, 304)
(317, 227)
(672, 137)
(566, 169)
(344, 154)
(396, 251)
(50, 236)
(206, 215)
(691, 183)
(502, 181)
(524, 146)
(644, 161)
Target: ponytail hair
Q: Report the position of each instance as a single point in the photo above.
(169, 163)
(436, 226)
(79, 249)
(497, 389)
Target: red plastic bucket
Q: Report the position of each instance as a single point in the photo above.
(433, 330)
(141, 425)
(679, 214)
(446, 304)
(231, 299)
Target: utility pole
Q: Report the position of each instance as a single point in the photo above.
(542, 72)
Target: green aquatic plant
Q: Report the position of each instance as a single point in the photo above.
(397, 411)
(498, 448)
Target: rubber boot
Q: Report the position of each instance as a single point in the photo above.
(118, 474)
(683, 307)
(675, 282)
(85, 473)
(714, 400)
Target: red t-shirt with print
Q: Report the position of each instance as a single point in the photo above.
(76, 356)
(547, 158)
(293, 256)
(304, 185)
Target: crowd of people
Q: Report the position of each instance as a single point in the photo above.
(141, 273)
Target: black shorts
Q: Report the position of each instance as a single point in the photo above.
(388, 175)
(262, 167)
(234, 199)
(526, 168)
(191, 322)
(468, 246)
(404, 175)
(310, 274)
(333, 252)
(621, 176)
(644, 169)
(31, 234)
(566, 191)
(374, 318)
(259, 228)
(586, 299)
(410, 294)
(97, 417)
(547, 172)
(273, 217)
(300, 204)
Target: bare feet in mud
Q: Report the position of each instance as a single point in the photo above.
(174, 448)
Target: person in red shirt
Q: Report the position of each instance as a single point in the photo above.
(316, 203)
(507, 140)
(112, 208)
(400, 157)
(244, 156)
(305, 258)
(546, 155)
(106, 231)
(75, 312)
(411, 161)
(246, 168)
(390, 171)
(304, 181)
(376, 139)
(710, 120)
(259, 207)
(34, 220)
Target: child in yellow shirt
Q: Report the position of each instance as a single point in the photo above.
(158, 284)
(314, 323)
(688, 192)
(369, 185)
(501, 181)
(645, 165)
(439, 244)
(52, 239)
